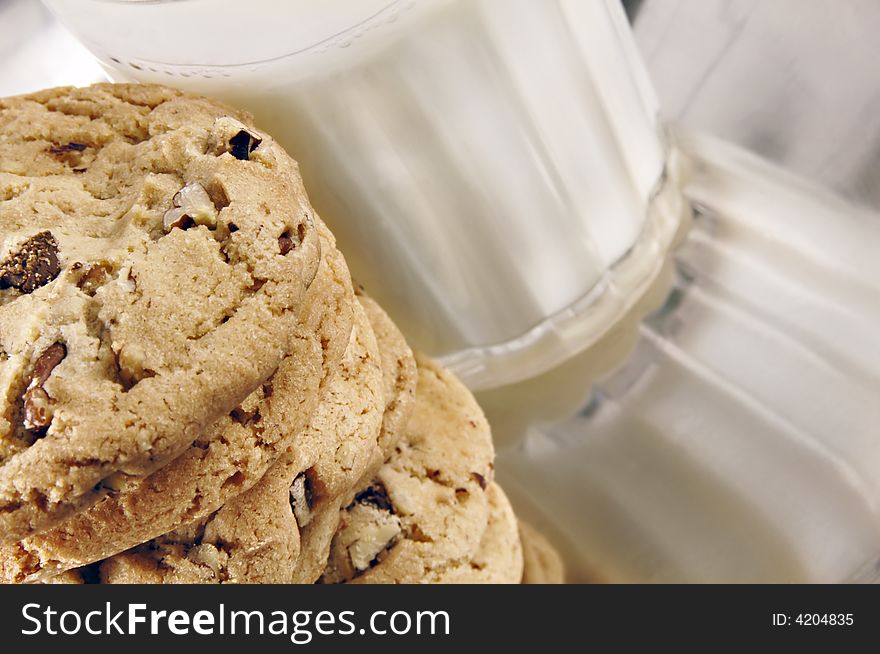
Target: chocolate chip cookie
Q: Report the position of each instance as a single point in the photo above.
(426, 510)
(227, 459)
(499, 559)
(399, 378)
(155, 252)
(255, 537)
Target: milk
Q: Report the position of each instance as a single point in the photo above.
(488, 166)
(739, 441)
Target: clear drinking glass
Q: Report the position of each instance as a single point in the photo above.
(738, 443)
(493, 169)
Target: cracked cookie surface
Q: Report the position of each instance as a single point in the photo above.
(399, 378)
(230, 457)
(499, 558)
(153, 264)
(426, 510)
(255, 537)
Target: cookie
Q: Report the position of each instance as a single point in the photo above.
(399, 378)
(226, 460)
(541, 562)
(255, 538)
(155, 253)
(426, 510)
(399, 374)
(499, 559)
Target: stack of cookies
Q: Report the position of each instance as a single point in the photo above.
(193, 391)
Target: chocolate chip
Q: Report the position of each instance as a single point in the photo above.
(285, 243)
(310, 493)
(377, 496)
(177, 217)
(91, 573)
(480, 479)
(70, 147)
(243, 417)
(242, 144)
(37, 403)
(70, 154)
(35, 264)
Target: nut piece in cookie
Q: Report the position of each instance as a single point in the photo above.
(301, 500)
(369, 528)
(380, 530)
(37, 403)
(33, 265)
(91, 276)
(192, 206)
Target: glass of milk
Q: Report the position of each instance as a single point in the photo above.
(738, 443)
(493, 169)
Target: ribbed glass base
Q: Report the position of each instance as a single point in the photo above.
(738, 443)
